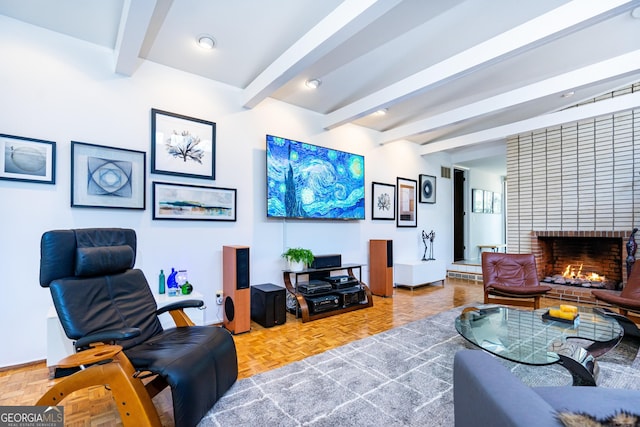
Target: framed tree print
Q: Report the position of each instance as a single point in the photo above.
(407, 214)
(427, 189)
(107, 177)
(383, 201)
(182, 145)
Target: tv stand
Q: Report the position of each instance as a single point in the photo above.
(303, 309)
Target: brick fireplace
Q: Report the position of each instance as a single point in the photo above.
(602, 252)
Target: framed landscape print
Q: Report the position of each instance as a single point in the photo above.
(27, 159)
(193, 202)
(427, 189)
(182, 145)
(407, 214)
(383, 201)
(107, 177)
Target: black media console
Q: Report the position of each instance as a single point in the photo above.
(315, 293)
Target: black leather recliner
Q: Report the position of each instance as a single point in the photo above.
(101, 298)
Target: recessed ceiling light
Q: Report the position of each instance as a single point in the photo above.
(381, 112)
(205, 41)
(635, 13)
(313, 83)
(568, 94)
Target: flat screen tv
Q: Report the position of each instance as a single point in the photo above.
(313, 182)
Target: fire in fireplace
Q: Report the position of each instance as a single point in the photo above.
(581, 275)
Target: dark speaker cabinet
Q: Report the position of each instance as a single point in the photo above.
(235, 286)
(381, 267)
(268, 306)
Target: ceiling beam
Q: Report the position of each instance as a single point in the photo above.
(134, 22)
(601, 71)
(589, 111)
(570, 17)
(342, 23)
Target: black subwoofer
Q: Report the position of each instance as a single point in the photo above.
(268, 304)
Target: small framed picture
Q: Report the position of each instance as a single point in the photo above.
(407, 215)
(107, 177)
(477, 200)
(427, 189)
(182, 145)
(497, 203)
(383, 201)
(27, 159)
(193, 202)
(488, 201)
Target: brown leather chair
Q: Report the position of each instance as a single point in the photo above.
(629, 298)
(513, 276)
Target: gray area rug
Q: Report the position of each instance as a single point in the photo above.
(401, 377)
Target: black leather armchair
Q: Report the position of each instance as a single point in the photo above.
(102, 303)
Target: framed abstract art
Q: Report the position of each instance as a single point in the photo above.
(27, 159)
(107, 177)
(407, 214)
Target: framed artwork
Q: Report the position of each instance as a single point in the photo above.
(427, 189)
(407, 215)
(107, 177)
(477, 200)
(27, 159)
(193, 202)
(383, 201)
(182, 145)
(488, 201)
(497, 203)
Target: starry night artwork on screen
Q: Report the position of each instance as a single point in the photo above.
(313, 182)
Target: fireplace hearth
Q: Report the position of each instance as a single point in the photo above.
(581, 259)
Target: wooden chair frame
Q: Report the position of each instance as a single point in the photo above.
(107, 365)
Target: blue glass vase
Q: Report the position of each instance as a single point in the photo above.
(172, 284)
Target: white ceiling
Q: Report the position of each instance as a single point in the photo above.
(451, 74)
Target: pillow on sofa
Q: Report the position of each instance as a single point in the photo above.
(622, 419)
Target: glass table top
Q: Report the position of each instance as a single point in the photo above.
(525, 337)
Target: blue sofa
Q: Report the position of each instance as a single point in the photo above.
(485, 393)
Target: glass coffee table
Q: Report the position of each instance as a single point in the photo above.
(526, 337)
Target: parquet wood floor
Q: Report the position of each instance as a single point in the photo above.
(260, 350)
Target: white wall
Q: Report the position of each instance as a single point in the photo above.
(56, 88)
(484, 228)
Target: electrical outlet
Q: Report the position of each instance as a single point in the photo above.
(219, 297)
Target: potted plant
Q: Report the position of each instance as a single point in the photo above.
(298, 258)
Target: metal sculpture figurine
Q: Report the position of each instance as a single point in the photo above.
(631, 251)
(429, 237)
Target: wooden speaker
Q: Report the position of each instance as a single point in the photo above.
(236, 288)
(381, 267)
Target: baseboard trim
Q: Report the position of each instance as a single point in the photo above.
(476, 277)
(22, 365)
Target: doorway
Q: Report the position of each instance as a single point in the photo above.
(459, 214)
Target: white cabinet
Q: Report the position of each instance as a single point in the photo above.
(416, 273)
(59, 346)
